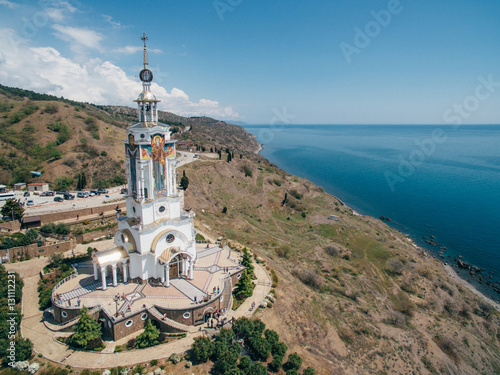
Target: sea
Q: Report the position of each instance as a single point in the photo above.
(440, 184)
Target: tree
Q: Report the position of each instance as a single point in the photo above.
(202, 349)
(309, 371)
(224, 210)
(245, 363)
(246, 261)
(294, 362)
(244, 288)
(184, 182)
(12, 208)
(149, 337)
(226, 353)
(261, 349)
(87, 332)
(257, 369)
(228, 157)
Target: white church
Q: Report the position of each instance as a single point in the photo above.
(157, 238)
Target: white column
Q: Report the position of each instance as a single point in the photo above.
(96, 274)
(103, 278)
(191, 263)
(124, 271)
(163, 275)
(167, 269)
(115, 281)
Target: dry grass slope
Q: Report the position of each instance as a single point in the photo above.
(373, 304)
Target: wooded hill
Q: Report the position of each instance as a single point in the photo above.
(62, 138)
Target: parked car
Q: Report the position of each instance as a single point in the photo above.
(102, 191)
(69, 196)
(95, 192)
(92, 194)
(61, 192)
(123, 191)
(47, 194)
(30, 203)
(80, 194)
(26, 193)
(58, 199)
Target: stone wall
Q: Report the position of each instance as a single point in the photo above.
(71, 214)
(34, 250)
(96, 234)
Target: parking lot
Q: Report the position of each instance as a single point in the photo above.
(43, 204)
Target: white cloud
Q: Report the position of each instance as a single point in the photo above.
(79, 35)
(113, 23)
(8, 4)
(43, 69)
(57, 9)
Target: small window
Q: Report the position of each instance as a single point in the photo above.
(142, 136)
(144, 316)
(239, 275)
(133, 209)
(161, 209)
(186, 315)
(64, 314)
(170, 238)
(129, 323)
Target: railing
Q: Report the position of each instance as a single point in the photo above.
(72, 275)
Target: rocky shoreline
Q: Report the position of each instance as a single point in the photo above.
(474, 272)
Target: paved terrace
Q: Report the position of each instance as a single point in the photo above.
(208, 275)
(45, 342)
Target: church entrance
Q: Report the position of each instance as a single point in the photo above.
(174, 270)
(175, 267)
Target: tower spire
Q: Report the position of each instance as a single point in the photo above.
(144, 38)
(148, 109)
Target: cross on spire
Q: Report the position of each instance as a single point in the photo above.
(144, 38)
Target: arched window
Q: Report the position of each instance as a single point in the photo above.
(129, 323)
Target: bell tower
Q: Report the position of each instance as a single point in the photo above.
(156, 232)
(150, 159)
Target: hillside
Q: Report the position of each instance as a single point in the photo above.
(354, 295)
(61, 138)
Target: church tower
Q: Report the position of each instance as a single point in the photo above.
(157, 234)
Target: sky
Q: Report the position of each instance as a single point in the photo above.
(265, 62)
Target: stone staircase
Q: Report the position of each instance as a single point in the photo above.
(172, 323)
(69, 323)
(75, 293)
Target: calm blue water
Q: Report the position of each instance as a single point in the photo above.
(450, 189)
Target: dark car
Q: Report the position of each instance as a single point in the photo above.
(26, 193)
(95, 192)
(68, 196)
(58, 199)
